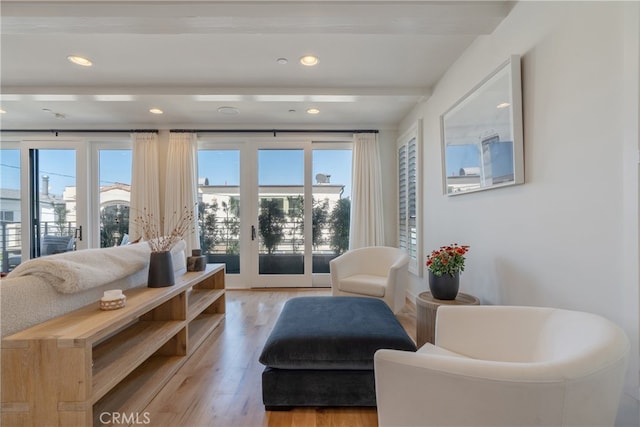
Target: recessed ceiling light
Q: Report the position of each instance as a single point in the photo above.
(230, 111)
(156, 111)
(313, 111)
(282, 61)
(503, 105)
(309, 60)
(80, 60)
(2, 111)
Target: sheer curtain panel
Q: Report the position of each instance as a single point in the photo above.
(367, 222)
(145, 191)
(182, 184)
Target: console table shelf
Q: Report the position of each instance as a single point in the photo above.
(69, 370)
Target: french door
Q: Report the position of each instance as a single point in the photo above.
(282, 216)
(262, 214)
(55, 211)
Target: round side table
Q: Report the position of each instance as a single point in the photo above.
(426, 308)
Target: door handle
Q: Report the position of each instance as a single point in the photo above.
(78, 233)
(253, 232)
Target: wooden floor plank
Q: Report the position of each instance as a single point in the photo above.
(221, 385)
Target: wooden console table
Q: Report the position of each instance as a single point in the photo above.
(70, 369)
(426, 309)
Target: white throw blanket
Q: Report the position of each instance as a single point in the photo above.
(72, 272)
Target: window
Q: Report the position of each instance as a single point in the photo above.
(114, 185)
(219, 206)
(10, 199)
(409, 219)
(331, 208)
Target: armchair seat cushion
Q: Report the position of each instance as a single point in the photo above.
(434, 350)
(364, 284)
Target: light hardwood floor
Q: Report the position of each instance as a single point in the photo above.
(220, 385)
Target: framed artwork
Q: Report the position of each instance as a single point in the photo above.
(482, 143)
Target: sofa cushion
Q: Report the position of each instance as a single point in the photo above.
(333, 333)
(364, 284)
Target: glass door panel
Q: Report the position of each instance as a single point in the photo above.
(281, 212)
(331, 205)
(115, 196)
(10, 209)
(219, 206)
(55, 202)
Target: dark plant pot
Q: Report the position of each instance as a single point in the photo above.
(231, 261)
(444, 287)
(320, 262)
(281, 264)
(160, 270)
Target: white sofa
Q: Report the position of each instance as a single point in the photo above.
(506, 366)
(376, 271)
(43, 288)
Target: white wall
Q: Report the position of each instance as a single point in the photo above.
(568, 237)
(387, 142)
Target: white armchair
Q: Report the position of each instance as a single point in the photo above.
(375, 271)
(506, 366)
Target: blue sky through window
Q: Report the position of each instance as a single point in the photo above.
(285, 167)
(221, 167)
(10, 169)
(115, 167)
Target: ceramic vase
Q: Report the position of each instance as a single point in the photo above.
(444, 287)
(160, 270)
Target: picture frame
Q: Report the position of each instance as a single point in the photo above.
(482, 140)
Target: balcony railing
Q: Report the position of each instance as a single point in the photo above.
(11, 240)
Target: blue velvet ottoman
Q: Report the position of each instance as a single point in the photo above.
(320, 352)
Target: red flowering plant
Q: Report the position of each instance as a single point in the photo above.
(447, 259)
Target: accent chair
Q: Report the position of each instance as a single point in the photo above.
(374, 271)
(506, 366)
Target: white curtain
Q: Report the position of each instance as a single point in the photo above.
(182, 185)
(145, 191)
(367, 222)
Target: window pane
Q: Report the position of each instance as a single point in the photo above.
(219, 206)
(57, 200)
(409, 198)
(281, 211)
(115, 196)
(412, 198)
(331, 206)
(10, 199)
(402, 197)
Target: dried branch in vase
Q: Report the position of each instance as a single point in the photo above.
(153, 228)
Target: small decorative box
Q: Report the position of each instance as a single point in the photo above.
(197, 261)
(112, 300)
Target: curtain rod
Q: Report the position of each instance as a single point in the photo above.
(274, 131)
(57, 131)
